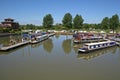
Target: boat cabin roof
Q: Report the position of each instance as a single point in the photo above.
(96, 43)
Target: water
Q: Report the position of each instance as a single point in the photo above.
(57, 59)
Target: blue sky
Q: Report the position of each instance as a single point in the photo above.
(33, 11)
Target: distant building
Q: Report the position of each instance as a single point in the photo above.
(9, 23)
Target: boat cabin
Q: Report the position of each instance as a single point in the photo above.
(98, 45)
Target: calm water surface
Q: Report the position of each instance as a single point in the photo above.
(57, 59)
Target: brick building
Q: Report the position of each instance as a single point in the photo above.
(9, 23)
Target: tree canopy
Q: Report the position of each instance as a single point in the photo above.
(67, 20)
(78, 21)
(48, 21)
(29, 26)
(105, 23)
(114, 22)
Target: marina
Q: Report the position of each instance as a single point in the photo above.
(60, 40)
(57, 58)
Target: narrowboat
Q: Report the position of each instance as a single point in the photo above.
(85, 38)
(39, 39)
(88, 47)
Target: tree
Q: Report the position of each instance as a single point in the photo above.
(1, 29)
(48, 21)
(78, 21)
(30, 26)
(105, 23)
(58, 26)
(86, 26)
(67, 20)
(114, 22)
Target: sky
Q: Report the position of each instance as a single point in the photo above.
(33, 11)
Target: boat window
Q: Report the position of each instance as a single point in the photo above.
(98, 45)
(112, 43)
(102, 44)
(90, 47)
(106, 44)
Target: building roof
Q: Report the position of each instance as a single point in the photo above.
(9, 19)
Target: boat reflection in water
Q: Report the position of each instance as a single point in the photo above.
(97, 53)
(36, 45)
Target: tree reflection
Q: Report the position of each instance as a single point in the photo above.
(57, 36)
(48, 45)
(4, 41)
(66, 45)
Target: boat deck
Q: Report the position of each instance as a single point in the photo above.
(51, 34)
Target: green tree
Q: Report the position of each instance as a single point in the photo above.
(105, 23)
(1, 29)
(48, 21)
(78, 21)
(29, 26)
(92, 26)
(86, 26)
(114, 22)
(67, 20)
(58, 26)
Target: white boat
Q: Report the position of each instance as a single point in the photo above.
(86, 40)
(39, 39)
(86, 37)
(51, 34)
(88, 47)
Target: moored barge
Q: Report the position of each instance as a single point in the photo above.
(88, 47)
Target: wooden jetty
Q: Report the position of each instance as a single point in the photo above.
(13, 46)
